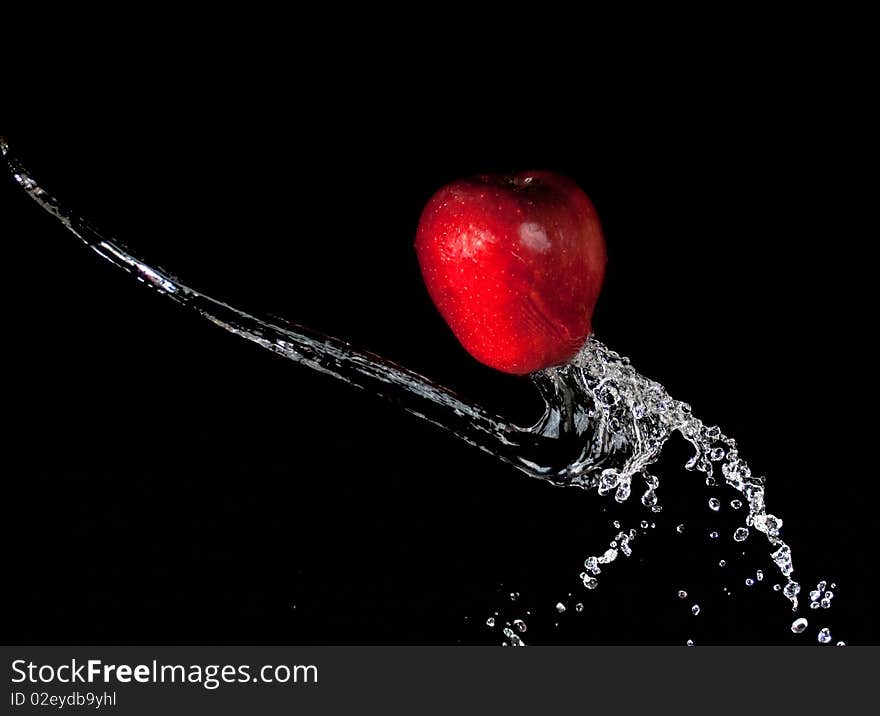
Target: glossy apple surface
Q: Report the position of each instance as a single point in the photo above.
(514, 263)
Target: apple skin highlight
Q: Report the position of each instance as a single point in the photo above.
(514, 263)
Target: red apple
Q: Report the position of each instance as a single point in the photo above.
(514, 263)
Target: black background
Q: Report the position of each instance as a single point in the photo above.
(167, 482)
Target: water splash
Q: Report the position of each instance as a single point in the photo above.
(603, 427)
(622, 421)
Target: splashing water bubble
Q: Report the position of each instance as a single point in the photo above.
(589, 582)
(799, 626)
(824, 636)
(513, 639)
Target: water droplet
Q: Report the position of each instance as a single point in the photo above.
(716, 454)
(841, 643)
(680, 529)
(740, 534)
(821, 585)
(512, 638)
(690, 642)
(814, 595)
(770, 525)
(777, 587)
(514, 596)
(695, 609)
(713, 535)
(759, 575)
(590, 582)
(824, 603)
(722, 563)
(520, 625)
(750, 582)
(490, 622)
(736, 504)
(682, 594)
(799, 626)
(782, 558)
(644, 524)
(560, 607)
(814, 605)
(608, 481)
(616, 524)
(714, 504)
(608, 396)
(579, 607)
(824, 636)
